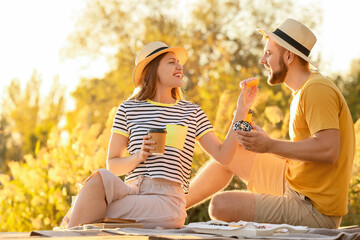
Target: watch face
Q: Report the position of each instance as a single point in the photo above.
(242, 126)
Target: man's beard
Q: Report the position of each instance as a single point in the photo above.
(278, 76)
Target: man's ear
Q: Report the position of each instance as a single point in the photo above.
(289, 57)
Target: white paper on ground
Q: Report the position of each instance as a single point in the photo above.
(243, 228)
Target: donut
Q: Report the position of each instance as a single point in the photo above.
(250, 82)
(242, 126)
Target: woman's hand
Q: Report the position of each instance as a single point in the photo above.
(145, 149)
(246, 98)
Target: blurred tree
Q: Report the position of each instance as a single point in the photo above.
(24, 109)
(40, 189)
(4, 139)
(29, 118)
(98, 96)
(353, 216)
(106, 19)
(223, 48)
(349, 85)
(352, 90)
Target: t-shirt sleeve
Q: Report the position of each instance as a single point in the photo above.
(203, 125)
(321, 107)
(120, 122)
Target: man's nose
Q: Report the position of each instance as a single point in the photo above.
(262, 60)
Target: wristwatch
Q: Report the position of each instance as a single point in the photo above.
(242, 126)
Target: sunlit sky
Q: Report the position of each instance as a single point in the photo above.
(33, 32)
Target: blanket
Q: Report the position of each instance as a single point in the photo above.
(311, 234)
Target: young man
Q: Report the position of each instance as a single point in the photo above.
(300, 182)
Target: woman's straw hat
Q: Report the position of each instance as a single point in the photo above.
(151, 51)
(294, 36)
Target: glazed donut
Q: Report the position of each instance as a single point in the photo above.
(250, 82)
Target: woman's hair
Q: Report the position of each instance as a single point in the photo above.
(148, 82)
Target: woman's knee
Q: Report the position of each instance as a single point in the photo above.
(95, 181)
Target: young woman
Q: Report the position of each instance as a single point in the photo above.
(153, 192)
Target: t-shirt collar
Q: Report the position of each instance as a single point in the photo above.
(162, 104)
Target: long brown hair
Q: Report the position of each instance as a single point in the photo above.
(148, 82)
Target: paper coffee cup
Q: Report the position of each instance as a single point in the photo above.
(159, 136)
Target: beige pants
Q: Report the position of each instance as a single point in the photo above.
(154, 202)
(276, 202)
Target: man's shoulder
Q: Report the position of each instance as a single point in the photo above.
(318, 78)
(318, 83)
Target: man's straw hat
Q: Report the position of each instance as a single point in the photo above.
(293, 36)
(151, 51)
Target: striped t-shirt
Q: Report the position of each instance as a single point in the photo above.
(184, 121)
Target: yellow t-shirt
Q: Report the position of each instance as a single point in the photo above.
(319, 105)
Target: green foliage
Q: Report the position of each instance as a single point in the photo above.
(37, 192)
(353, 215)
(220, 36)
(352, 89)
(200, 212)
(30, 119)
(31, 198)
(4, 139)
(99, 96)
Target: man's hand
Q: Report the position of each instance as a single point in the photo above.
(323, 146)
(255, 141)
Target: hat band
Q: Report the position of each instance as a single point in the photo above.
(156, 50)
(292, 42)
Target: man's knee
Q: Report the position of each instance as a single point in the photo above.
(232, 206)
(217, 206)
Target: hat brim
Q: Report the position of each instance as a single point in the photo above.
(286, 45)
(180, 53)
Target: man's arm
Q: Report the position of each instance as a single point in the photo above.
(212, 178)
(323, 146)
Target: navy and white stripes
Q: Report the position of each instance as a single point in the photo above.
(134, 118)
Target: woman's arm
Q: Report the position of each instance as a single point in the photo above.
(116, 161)
(224, 152)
